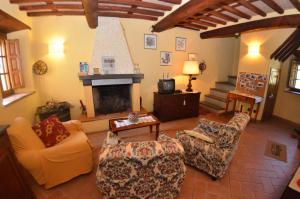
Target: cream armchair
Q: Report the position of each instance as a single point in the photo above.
(54, 165)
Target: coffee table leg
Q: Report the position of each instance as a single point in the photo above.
(157, 131)
(151, 129)
(116, 133)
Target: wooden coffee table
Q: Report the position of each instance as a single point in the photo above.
(116, 129)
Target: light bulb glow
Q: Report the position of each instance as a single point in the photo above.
(253, 49)
(56, 48)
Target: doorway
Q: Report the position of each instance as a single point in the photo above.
(271, 93)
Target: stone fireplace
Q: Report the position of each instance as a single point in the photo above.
(112, 93)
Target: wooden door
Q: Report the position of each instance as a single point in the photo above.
(272, 93)
(14, 63)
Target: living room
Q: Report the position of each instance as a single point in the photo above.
(69, 50)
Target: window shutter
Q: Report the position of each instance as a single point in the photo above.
(14, 63)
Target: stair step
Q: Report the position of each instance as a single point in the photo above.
(226, 83)
(216, 97)
(232, 76)
(212, 107)
(220, 90)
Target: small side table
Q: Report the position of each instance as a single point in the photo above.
(116, 129)
(61, 110)
(244, 97)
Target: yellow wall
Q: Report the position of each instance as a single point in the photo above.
(287, 104)
(25, 107)
(269, 41)
(62, 83)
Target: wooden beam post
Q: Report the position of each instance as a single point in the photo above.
(90, 11)
(275, 22)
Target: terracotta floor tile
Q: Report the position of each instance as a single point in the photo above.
(251, 174)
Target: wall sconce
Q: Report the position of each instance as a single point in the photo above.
(253, 49)
(56, 48)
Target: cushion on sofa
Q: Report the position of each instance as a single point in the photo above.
(208, 126)
(51, 131)
(199, 135)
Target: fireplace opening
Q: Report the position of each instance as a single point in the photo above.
(111, 99)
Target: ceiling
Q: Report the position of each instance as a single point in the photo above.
(138, 9)
(202, 15)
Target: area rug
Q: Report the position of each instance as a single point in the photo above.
(276, 150)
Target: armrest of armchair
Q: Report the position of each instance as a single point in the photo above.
(73, 125)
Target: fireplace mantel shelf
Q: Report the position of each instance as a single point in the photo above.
(87, 79)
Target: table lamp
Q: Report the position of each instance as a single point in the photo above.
(190, 68)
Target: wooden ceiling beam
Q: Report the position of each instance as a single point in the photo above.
(189, 9)
(132, 10)
(296, 4)
(272, 4)
(172, 1)
(284, 45)
(224, 16)
(10, 24)
(51, 7)
(275, 22)
(90, 10)
(137, 3)
(54, 13)
(289, 51)
(126, 15)
(236, 12)
(41, 1)
(252, 7)
(292, 44)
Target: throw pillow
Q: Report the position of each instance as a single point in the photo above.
(51, 131)
(199, 136)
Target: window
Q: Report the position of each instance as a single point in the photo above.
(10, 66)
(4, 73)
(294, 78)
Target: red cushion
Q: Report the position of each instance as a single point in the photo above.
(51, 131)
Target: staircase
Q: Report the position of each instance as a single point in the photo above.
(215, 101)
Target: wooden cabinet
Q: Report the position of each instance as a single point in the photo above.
(176, 106)
(12, 184)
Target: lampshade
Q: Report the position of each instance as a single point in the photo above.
(191, 68)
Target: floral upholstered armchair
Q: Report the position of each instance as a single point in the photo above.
(213, 158)
(150, 169)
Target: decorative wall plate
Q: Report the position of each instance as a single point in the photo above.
(40, 67)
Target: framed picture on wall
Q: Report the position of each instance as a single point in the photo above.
(150, 41)
(192, 57)
(108, 64)
(180, 44)
(165, 58)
